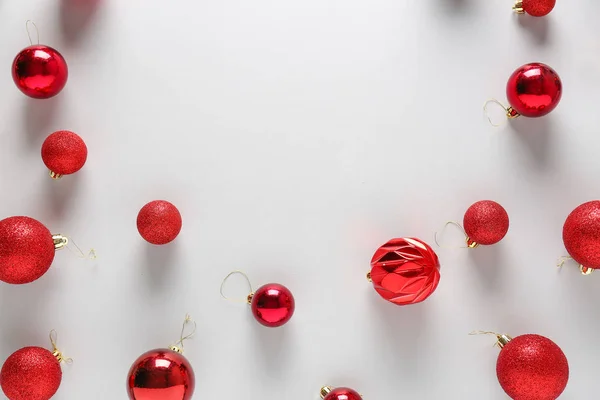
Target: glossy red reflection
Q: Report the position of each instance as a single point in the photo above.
(273, 305)
(40, 71)
(534, 90)
(342, 393)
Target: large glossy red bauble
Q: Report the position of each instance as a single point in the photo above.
(159, 222)
(64, 152)
(405, 271)
(26, 250)
(31, 373)
(272, 305)
(40, 71)
(532, 367)
(581, 234)
(534, 90)
(161, 374)
(342, 393)
(538, 8)
(485, 222)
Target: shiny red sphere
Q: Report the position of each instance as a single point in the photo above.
(581, 234)
(26, 250)
(159, 222)
(534, 90)
(273, 305)
(532, 367)
(342, 393)
(405, 271)
(40, 72)
(31, 373)
(64, 152)
(538, 8)
(485, 222)
(161, 374)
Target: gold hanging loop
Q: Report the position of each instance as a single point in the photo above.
(467, 246)
(64, 242)
(55, 351)
(501, 339)
(29, 33)
(178, 346)
(509, 112)
(246, 299)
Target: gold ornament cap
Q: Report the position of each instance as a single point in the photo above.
(60, 241)
(325, 390)
(518, 7)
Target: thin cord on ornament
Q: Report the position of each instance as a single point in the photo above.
(91, 255)
(487, 114)
(55, 350)
(487, 333)
(435, 236)
(36, 30)
(562, 260)
(245, 299)
(182, 338)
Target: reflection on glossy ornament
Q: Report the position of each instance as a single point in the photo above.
(64, 153)
(534, 90)
(581, 235)
(159, 222)
(40, 71)
(536, 8)
(485, 222)
(341, 393)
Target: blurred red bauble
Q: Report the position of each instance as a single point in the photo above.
(40, 71)
(405, 271)
(64, 153)
(159, 222)
(581, 234)
(485, 222)
(272, 305)
(161, 374)
(536, 8)
(533, 90)
(341, 393)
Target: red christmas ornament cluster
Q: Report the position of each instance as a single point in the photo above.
(64, 153)
(485, 222)
(533, 90)
(581, 235)
(341, 393)
(272, 305)
(536, 8)
(159, 222)
(40, 71)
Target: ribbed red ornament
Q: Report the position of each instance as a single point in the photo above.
(273, 305)
(538, 8)
(64, 153)
(485, 222)
(159, 222)
(534, 90)
(342, 393)
(581, 234)
(40, 71)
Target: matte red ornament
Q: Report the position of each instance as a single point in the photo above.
(40, 71)
(533, 90)
(159, 222)
(405, 271)
(64, 153)
(581, 235)
(341, 393)
(536, 8)
(272, 305)
(485, 222)
(31, 373)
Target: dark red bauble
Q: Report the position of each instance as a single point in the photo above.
(31, 373)
(342, 393)
(485, 222)
(161, 374)
(26, 250)
(272, 305)
(532, 367)
(581, 234)
(64, 153)
(159, 222)
(534, 90)
(405, 271)
(40, 71)
(538, 8)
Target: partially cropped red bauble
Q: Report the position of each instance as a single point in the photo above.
(273, 305)
(485, 222)
(26, 250)
(405, 271)
(538, 8)
(534, 90)
(40, 71)
(581, 234)
(159, 222)
(64, 153)
(31, 373)
(532, 367)
(342, 393)
(161, 374)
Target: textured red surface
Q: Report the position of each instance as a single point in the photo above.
(485, 222)
(581, 234)
(26, 250)
(534, 90)
(40, 71)
(161, 374)
(64, 152)
(159, 222)
(273, 305)
(405, 271)
(343, 393)
(532, 367)
(31, 373)
(538, 8)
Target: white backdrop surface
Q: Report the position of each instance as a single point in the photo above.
(295, 137)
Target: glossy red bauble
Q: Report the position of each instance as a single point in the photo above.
(272, 305)
(538, 8)
(405, 271)
(159, 222)
(64, 153)
(534, 90)
(342, 393)
(161, 374)
(40, 71)
(31, 373)
(581, 234)
(485, 222)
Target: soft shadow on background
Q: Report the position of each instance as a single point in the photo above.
(488, 263)
(158, 265)
(76, 17)
(61, 192)
(38, 116)
(536, 136)
(536, 27)
(274, 346)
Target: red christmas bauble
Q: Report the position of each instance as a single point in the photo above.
(159, 222)
(342, 393)
(26, 250)
(532, 367)
(272, 305)
(405, 271)
(581, 234)
(161, 374)
(40, 71)
(31, 373)
(534, 90)
(485, 222)
(538, 8)
(64, 153)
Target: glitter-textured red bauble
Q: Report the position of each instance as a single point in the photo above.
(405, 271)
(534, 90)
(26, 250)
(342, 393)
(40, 71)
(485, 222)
(31, 373)
(581, 234)
(532, 367)
(159, 222)
(538, 8)
(64, 153)
(272, 305)
(161, 374)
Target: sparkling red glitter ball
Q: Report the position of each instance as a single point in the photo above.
(64, 152)
(581, 234)
(159, 222)
(343, 393)
(534, 90)
(161, 374)
(532, 367)
(405, 271)
(538, 8)
(31, 373)
(26, 250)
(40, 71)
(273, 305)
(485, 222)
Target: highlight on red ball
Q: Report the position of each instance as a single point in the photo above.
(535, 8)
(485, 222)
(272, 305)
(40, 71)
(340, 393)
(159, 222)
(64, 153)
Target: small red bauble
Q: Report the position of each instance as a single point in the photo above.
(341, 393)
(40, 71)
(536, 8)
(485, 222)
(581, 235)
(159, 222)
(405, 271)
(272, 305)
(533, 90)
(64, 153)
(31, 373)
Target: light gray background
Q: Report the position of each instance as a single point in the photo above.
(296, 136)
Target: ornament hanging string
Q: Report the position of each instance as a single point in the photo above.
(63, 241)
(178, 346)
(55, 351)
(498, 336)
(236, 300)
(435, 236)
(564, 259)
(29, 33)
(509, 112)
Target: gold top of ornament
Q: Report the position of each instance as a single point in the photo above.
(518, 7)
(178, 346)
(325, 390)
(60, 241)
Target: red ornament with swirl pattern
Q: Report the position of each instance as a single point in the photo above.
(581, 235)
(340, 393)
(535, 8)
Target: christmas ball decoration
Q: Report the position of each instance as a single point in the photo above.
(536, 8)
(159, 222)
(485, 222)
(64, 153)
(405, 271)
(341, 393)
(581, 235)
(40, 71)
(533, 90)
(272, 305)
